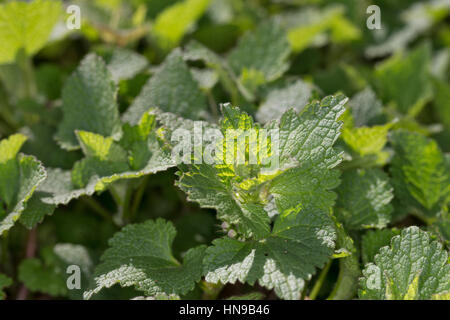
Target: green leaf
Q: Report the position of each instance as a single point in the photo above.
(175, 21)
(263, 51)
(300, 242)
(124, 64)
(4, 283)
(40, 278)
(139, 152)
(366, 140)
(26, 26)
(412, 268)
(195, 51)
(172, 89)
(140, 256)
(420, 177)
(373, 240)
(19, 177)
(89, 103)
(295, 95)
(241, 192)
(365, 108)
(403, 80)
(364, 198)
(442, 101)
(36, 210)
(307, 155)
(307, 27)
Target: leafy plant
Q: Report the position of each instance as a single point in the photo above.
(118, 173)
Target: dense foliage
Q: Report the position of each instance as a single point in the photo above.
(357, 206)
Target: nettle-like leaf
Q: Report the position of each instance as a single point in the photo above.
(246, 195)
(366, 109)
(412, 268)
(171, 24)
(295, 95)
(307, 155)
(367, 140)
(4, 283)
(195, 51)
(125, 64)
(403, 80)
(140, 255)
(308, 27)
(48, 274)
(89, 103)
(300, 242)
(421, 178)
(364, 198)
(261, 55)
(26, 26)
(172, 89)
(40, 278)
(138, 153)
(240, 191)
(19, 177)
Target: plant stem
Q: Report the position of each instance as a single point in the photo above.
(318, 285)
(126, 205)
(211, 290)
(5, 250)
(30, 252)
(138, 198)
(98, 208)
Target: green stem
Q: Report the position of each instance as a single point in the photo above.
(98, 208)
(126, 205)
(115, 195)
(318, 285)
(211, 290)
(5, 249)
(26, 64)
(138, 198)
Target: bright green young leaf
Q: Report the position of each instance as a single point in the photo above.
(140, 255)
(172, 89)
(366, 140)
(89, 103)
(4, 283)
(364, 198)
(412, 268)
(26, 26)
(300, 242)
(174, 22)
(309, 26)
(140, 152)
(19, 177)
(420, 177)
(403, 80)
(261, 53)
